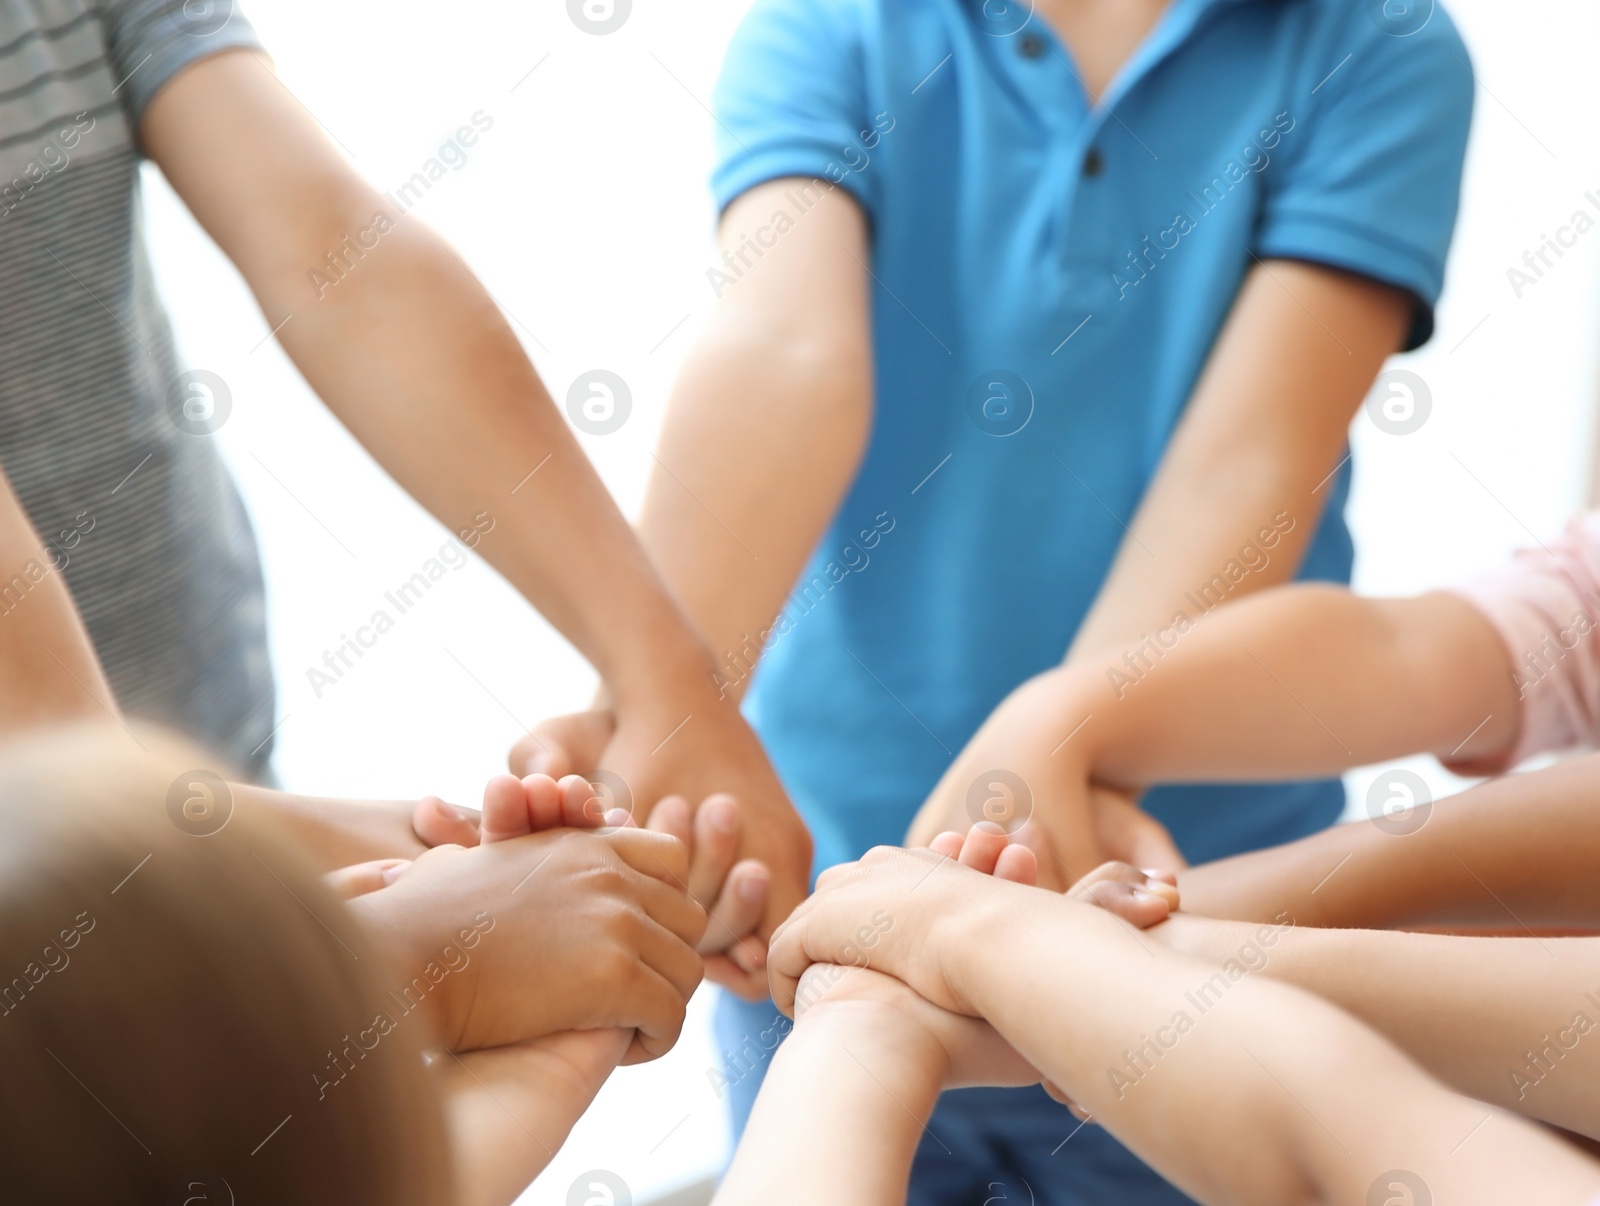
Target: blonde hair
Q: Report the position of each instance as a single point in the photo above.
(167, 1000)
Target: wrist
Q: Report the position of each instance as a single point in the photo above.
(666, 667)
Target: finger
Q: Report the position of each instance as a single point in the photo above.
(670, 956)
(1130, 877)
(672, 815)
(737, 911)
(439, 824)
(746, 985)
(581, 806)
(750, 954)
(349, 882)
(1152, 846)
(667, 905)
(563, 745)
(948, 843)
(505, 810)
(715, 846)
(1129, 834)
(658, 855)
(541, 801)
(1019, 864)
(1135, 905)
(650, 1004)
(981, 850)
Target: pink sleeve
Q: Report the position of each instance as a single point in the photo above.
(1546, 607)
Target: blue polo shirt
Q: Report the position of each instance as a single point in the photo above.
(1048, 280)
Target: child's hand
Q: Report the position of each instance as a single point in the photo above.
(1141, 898)
(1020, 773)
(887, 1012)
(558, 931)
(735, 888)
(517, 807)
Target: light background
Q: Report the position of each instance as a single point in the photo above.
(585, 212)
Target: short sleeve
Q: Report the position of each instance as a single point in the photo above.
(792, 98)
(152, 40)
(1373, 184)
(1545, 605)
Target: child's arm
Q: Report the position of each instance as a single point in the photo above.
(1300, 681)
(1263, 1094)
(850, 1091)
(1500, 1019)
(510, 1109)
(1520, 851)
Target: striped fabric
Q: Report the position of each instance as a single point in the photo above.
(136, 511)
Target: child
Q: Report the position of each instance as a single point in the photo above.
(197, 1020)
(1010, 299)
(595, 930)
(1272, 1097)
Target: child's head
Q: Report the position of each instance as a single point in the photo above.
(168, 1002)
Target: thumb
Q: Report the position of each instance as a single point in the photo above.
(564, 745)
(1129, 834)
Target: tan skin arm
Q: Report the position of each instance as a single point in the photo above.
(51, 671)
(768, 421)
(1265, 427)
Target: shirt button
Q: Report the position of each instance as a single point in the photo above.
(1093, 163)
(1031, 46)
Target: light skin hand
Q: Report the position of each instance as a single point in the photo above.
(1070, 822)
(891, 909)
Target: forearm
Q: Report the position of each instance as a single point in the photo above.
(766, 427)
(1305, 680)
(52, 673)
(334, 833)
(510, 1110)
(838, 1120)
(412, 354)
(1493, 1017)
(415, 358)
(1516, 852)
(1258, 1093)
(1239, 492)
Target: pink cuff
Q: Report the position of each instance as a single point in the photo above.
(1545, 605)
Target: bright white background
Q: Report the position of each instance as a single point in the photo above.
(585, 212)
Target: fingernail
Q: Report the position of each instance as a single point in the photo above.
(394, 871)
(751, 890)
(1149, 897)
(724, 816)
(616, 817)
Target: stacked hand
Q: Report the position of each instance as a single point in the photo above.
(751, 854)
(540, 928)
(886, 913)
(1021, 771)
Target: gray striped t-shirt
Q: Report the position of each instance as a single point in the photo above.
(96, 424)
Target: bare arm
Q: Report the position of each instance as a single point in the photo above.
(767, 424)
(412, 355)
(1236, 1088)
(50, 668)
(1266, 425)
(1499, 1019)
(510, 1109)
(1233, 506)
(1520, 851)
